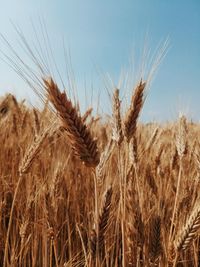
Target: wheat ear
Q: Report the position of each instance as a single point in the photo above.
(155, 246)
(189, 231)
(132, 115)
(181, 149)
(181, 144)
(34, 150)
(84, 146)
(117, 133)
(104, 217)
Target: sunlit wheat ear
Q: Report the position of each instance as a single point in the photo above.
(181, 144)
(189, 231)
(84, 146)
(117, 133)
(133, 112)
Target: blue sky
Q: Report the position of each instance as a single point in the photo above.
(103, 36)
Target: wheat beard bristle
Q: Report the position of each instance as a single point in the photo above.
(84, 146)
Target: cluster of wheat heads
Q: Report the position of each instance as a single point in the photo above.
(75, 191)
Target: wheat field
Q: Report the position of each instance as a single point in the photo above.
(76, 190)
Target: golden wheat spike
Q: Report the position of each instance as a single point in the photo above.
(117, 134)
(104, 216)
(33, 151)
(181, 144)
(155, 245)
(84, 146)
(132, 115)
(189, 231)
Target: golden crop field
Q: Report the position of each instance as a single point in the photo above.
(76, 190)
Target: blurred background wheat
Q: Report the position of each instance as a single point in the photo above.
(76, 191)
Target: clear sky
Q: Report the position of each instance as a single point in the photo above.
(104, 35)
